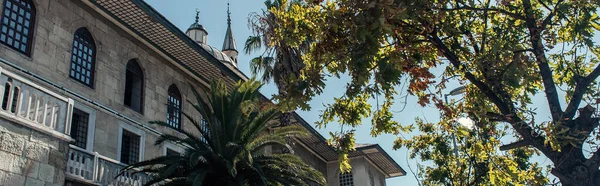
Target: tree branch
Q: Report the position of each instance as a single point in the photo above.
(580, 89)
(504, 108)
(514, 145)
(551, 15)
(542, 62)
(514, 15)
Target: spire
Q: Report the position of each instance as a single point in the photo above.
(229, 42)
(197, 15)
(228, 15)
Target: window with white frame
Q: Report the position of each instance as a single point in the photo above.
(346, 179)
(131, 144)
(83, 121)
(171, 152)
(171, 149)
(79, 127)
(130, 147)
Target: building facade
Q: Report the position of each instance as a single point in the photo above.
(81, 79)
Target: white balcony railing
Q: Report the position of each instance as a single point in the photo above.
(95, 168)
(34, 106)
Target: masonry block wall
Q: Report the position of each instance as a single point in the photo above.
(55, 25)
(30, 158)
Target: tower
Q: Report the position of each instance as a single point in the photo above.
(197, 31)
(229, 47)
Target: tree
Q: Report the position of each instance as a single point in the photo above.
(281, 60)
(228, 146)
(504, 51)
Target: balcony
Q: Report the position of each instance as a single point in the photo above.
(93, 168)
(29, 104)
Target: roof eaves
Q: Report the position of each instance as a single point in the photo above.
(387, 156)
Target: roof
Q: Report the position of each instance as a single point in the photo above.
(381, 159)
(151, 28)
(372, 152)
(217, 53)
(198, 26)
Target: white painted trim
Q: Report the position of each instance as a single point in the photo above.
(135, 130)
(91, 124)
(172, 146)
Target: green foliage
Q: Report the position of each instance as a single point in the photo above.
(228, 146)
(505, 51)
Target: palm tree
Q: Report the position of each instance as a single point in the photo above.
(228, 146)
(280, 61)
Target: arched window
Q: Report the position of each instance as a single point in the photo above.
(174, 107)
(18, 18)
(346, 179)
(83, 57)
(134, 86)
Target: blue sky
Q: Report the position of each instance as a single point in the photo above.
(213, 16)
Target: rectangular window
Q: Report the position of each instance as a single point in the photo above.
(130, 147)
(171, 152)
(79, 127)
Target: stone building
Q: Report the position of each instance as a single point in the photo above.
(81, 79)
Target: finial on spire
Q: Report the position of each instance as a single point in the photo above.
(197, 14)
(228, 14)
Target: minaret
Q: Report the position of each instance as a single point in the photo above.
(197, 31)
(229, 47)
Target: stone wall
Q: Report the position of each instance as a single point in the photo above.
(30, 158)
(56, 22)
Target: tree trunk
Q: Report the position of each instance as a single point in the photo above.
(570, 165)
(577, 175)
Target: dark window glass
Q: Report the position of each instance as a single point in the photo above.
(130, 148)
(83, 57)
(172, 152)
(346, 179)
(174, 108)
(134, 86)
(205, 129)
(16, 23)
(79, 127)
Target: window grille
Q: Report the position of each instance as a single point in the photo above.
(83, 57)
(79, 127)
(346, 179)
(18, 18)
(130, 148)
(174, 108)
